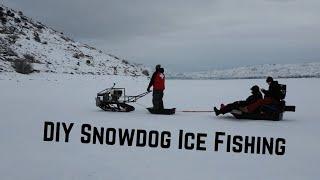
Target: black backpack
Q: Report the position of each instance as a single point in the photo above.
(283, 91)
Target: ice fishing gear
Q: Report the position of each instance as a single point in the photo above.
(115, 99)
(272, 111)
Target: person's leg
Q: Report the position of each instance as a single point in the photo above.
(228, 108)
(225, 108)
(161, 100)
(156, 100)
(254, 106)
(242, 103)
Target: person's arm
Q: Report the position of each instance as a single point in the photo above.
(151, 81)
(267, 92)
(264, 91)
(250, 99)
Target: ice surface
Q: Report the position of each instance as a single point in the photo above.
(26, 104)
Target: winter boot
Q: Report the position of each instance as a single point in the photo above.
(216, 111)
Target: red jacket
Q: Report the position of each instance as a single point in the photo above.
(158, 81)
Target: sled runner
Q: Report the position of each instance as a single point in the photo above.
(115, 99)
(268, 112)
(163, 111)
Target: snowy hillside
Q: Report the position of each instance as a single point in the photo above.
(23, 39)
(257, 71)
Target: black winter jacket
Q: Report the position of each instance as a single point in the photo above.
(254, 97)
(274, 91)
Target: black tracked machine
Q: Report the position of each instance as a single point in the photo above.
(115, 99)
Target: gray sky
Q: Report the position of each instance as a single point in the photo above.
(188, 35)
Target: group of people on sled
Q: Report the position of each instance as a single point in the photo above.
(255, 100)
(250, 105)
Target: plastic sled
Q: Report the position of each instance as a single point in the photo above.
(267, 112)
(163, 111)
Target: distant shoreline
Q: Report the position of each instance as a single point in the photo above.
(233, 78)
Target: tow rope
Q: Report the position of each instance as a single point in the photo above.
(191, 111)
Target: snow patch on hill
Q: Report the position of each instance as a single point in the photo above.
(50, 51)
(303, 70)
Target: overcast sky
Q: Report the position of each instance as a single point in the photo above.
(188, 35)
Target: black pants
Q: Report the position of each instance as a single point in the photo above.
(157, 100)
(229, 107)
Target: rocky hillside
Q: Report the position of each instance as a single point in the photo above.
(25, 44)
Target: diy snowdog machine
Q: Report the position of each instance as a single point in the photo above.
(115, 99)
(268, 112)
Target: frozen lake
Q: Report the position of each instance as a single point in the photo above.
(27, 104)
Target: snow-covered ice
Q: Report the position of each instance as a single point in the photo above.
(26, 104)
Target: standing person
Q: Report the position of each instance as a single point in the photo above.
(157, 81)
(255, 95)
(158, 66)
(272, 95)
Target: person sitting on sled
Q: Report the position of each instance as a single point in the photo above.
(158, 82)
(255, 95)
(271, 96)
